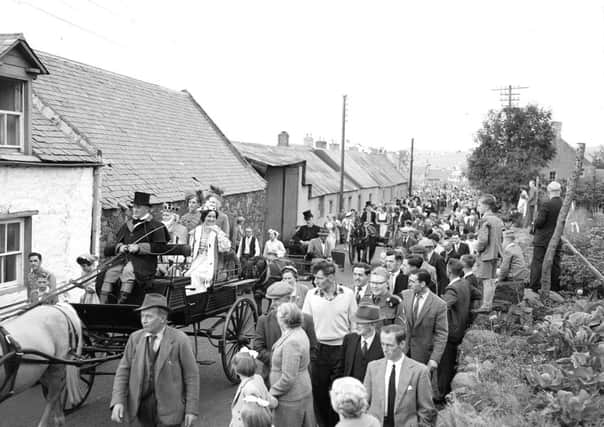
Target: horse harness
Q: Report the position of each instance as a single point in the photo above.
(12, 355)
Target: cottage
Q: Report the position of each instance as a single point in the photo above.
(562, 166)
(49, 176)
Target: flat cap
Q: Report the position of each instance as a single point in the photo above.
(279, 290)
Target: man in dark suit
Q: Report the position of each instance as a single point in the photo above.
(368, 214)
(268, 330)
(361, 347)
(468, 262)
(398, 388)
(406, 240)
(545, 223)
(398, 280)
(457, 295)
(427, 322)
(319, 248)
(457, 247)
(436, 261)
(304, 234)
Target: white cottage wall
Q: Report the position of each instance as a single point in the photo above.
(63, 197)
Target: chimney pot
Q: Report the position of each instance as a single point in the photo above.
(321, 144)
(283, 139)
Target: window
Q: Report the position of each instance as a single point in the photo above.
(11, 252)
(11, 113)
(330, 207)
(552, 175)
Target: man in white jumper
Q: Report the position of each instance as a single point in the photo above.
(332, 307)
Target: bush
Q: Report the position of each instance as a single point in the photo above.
(574, 275)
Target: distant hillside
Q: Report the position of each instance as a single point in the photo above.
(441, 159)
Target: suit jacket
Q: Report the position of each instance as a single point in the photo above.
(413, 402)
(254, 247)
(546, 220)
(513, 266)
(152, 237)
(457, 296)
(268, 333)
(252, 386)
(315, 250)
(401, 283)
(176, 377)
(289, 377)
(352, 346)
(490, 236)
(427, 337)
(463, 249)
(441, 272)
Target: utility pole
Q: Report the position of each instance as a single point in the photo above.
(509, 96)
(341, 198)
(411, 170)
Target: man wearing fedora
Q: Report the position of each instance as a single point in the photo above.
(304, 234)
(319, 248)
(157, 380)
(268, 330)
(141, 239)
(363, 345)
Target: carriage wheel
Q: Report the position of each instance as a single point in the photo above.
(86, 380)
(239, 329)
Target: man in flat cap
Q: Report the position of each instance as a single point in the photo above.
(157, 380)
(268, 330)
(545, 223)
(513, 267)
(319, 248)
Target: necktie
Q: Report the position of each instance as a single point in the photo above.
(391, 394)
(416, 307)
(150, 350)
(364, 347)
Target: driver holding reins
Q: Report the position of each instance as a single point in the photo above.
(141, 239)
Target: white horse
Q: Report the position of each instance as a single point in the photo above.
(56, 331)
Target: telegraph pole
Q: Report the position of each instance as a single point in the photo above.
(509, 95)
(341, 198)
(411, 170)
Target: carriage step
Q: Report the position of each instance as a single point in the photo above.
(206, 362)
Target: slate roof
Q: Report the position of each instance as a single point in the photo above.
(153, 139)
(351, 167)
(50, 144)
(322, 178)
(379, 168)
(9, 41)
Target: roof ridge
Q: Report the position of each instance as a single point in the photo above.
(103, 70)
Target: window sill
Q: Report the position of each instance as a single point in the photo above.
(18, 214)
(11, 289)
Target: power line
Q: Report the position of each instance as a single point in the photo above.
(508, 97)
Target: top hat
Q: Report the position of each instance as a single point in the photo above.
(141, 199)
(367, 314)
(154, 300)
(307, 214)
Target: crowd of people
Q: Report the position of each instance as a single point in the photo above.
(381, 350)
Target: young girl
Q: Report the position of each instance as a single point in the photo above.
(252, 386)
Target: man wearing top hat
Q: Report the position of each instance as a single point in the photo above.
(268, 330)
(305, 234)
(141, 239)
(157, 380)
(363, 345)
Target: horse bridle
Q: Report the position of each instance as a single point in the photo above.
(11, 360)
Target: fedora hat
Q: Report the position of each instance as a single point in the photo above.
(154, 300)
(367, 314)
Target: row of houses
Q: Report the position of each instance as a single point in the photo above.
(76, 141)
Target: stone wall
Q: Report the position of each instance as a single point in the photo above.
(251, 206)
(62, 228)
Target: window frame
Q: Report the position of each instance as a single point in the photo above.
(554, 175)
(20, 114)
(25, 218)
(20, 263)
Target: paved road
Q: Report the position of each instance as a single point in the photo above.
(216, 393)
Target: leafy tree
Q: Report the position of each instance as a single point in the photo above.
(514, 144)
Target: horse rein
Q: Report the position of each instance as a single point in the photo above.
(11, 360)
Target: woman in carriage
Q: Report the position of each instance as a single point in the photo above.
(208, 243)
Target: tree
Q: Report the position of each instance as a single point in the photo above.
(514, 144)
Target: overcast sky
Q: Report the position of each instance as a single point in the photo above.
(422, 69)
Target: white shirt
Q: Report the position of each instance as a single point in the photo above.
(398, 365)
(158, 337)
(360, 292)
(369, 341)
(420, 302)
(323, 248)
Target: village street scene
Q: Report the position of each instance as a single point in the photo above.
(271, 214)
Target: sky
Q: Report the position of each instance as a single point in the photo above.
(424, 70)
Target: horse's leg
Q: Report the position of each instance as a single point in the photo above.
(53, 382)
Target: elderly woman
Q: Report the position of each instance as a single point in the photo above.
(289, 377)
(207, 241)
(274, 245)
(349, 400)
(252, 385)
(193, 217)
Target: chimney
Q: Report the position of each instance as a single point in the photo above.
(321, 144)
(557, 127)
(308, 140)
(334, 146)
(283, 140)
